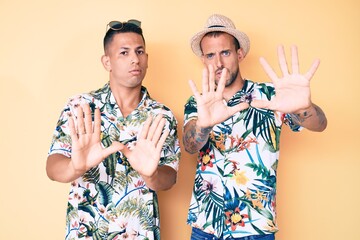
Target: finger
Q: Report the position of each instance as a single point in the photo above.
(97, 122)
(194, 89)
(312, 69)
(145, 129)
(155, 125)
(261, 104)
(294, 60)
(205, 81)
(162, 140)
(221, 84)
(211, 78)
(158, 131)
(269, 71)
(242, 106)
(80, 120)
(87, 118)
(73, 133)
(238, 108)
(282, 61)
(115, 147)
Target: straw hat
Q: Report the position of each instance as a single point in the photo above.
(217, 22)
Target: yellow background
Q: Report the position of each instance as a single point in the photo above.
(50, 50)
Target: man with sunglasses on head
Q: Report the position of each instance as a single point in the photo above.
(234, 125)
(117, 146)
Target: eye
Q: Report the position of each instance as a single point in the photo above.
(225, 53)
(140, 52)
(210, 56)
(124, 53)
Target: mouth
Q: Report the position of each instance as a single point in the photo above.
(135, 71)
(218, 74)
(219, 71)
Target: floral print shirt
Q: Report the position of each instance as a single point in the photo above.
(111, 200)
(235, 181)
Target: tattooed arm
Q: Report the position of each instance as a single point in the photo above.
(313, 118)
(195, 137)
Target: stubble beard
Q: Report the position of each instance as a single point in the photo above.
(232, 78)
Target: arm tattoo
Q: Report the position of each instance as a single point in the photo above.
(320, 114)
(300, 118)
(194, 137)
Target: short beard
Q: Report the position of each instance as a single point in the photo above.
(232, 78)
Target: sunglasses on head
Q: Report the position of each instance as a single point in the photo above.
(117, 25)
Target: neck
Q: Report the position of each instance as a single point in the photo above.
(127, 99)
(233, 88)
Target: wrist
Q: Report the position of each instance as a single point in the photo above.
(304, 111)
(201, 126)
(303, 114)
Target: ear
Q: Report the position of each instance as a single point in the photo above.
(241, 54)
(106, 62)
(147, 60)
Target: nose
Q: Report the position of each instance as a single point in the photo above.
(218, 61)
(134, 58)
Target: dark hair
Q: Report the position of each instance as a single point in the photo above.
(217, 33)
(127, 27)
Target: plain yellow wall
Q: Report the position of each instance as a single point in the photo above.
(51, 50)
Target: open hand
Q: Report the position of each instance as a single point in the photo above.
(292, 89)
(87, 150)
(212, 108)
(145, 156)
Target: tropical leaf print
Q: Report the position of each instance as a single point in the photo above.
(261, 123)
(138, 208)
(235, 183)
(212, 203)
(112, 193)
(92, 175)
(105, 191)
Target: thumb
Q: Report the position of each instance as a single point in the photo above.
(261, 104)
(114, 147)
(238, 108)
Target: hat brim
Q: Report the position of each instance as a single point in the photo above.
(242, 38)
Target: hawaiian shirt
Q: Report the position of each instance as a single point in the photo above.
(235, 181)
(111, 200)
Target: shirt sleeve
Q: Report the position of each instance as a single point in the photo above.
(293, 126)
(190, 110)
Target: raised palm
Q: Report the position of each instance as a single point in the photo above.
(145, 156)
(292, 88)
(211, 106)
(88, 152)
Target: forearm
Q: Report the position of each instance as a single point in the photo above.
(312, 118)
(59, 168)
(163, 179)
(195, 137)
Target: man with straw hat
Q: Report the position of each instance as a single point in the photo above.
(234, 124)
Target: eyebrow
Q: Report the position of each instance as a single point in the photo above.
(137, 48)
(226, 50)
(222, 51)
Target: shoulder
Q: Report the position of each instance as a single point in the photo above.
(159, 107)
(154, 106)
(91, 97)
